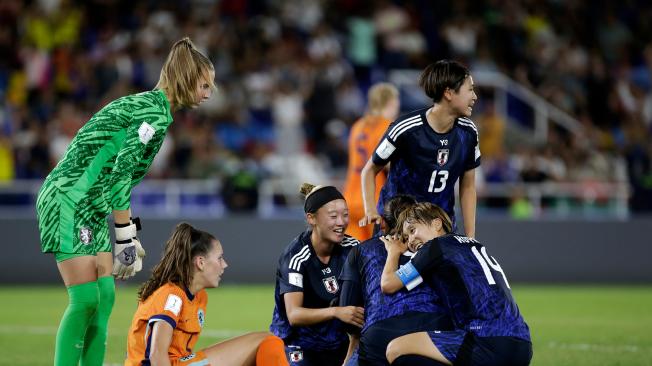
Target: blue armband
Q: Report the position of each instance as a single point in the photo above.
(409, 276)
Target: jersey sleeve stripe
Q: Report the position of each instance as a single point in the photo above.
(407, 127)
(349, 241)
(163, 317)
(150, 328)
(402, 123)
(300, 262)
(295, 266)
(297, 263)
(467, 122)
(298, 255)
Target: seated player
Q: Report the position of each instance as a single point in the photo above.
(489, 327)
(307, 286)
(172, 310)
(386, 316)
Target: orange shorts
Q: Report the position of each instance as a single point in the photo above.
(194, 359)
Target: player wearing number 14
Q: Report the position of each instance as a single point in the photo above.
(489, 327)
(430, 149)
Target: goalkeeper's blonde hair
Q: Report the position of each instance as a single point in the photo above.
(183, 69)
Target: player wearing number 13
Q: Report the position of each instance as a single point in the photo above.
(430, 149)
(489, 327)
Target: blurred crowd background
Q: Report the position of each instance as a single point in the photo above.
(292, 78)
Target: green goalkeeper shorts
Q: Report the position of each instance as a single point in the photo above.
(68, 229)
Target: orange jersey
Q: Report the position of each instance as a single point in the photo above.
(365, 136)
(172, 304)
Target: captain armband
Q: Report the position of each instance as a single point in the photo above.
(409, 276)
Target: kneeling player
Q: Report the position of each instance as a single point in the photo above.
(491, 330)
(307, 285)
(386, 316)
(172, 310)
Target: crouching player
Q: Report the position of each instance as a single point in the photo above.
(172, 310)
(490, 328)
(307, 286)
(386, 316)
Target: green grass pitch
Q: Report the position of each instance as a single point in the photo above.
(570, 325)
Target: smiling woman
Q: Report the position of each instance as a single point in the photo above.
(306, 283)
(430, 149)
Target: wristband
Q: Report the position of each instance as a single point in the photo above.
(124, 232)
(136, 221)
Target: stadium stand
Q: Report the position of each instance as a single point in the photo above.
(292, 77)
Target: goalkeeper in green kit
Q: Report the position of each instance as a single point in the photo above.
(109, 155)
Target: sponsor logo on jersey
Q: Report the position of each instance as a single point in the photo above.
(331, 284)
(296, 356)
(173, 304)
(145, 132)
(187, 358)
(85, 235)
(442, 157)
(200, 317)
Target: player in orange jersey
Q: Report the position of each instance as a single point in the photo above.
(172, 311)
(365, 135)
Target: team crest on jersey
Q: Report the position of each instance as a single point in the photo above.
(442, 157)
(331, 284)
(200, 317)
(85, 235)
(296, 356)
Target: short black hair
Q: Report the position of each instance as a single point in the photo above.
(393, 209)
(440, 75)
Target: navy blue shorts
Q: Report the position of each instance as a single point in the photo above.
(463, 348)
(298, 356)
(374, 341)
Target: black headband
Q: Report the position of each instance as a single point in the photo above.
(321, 197)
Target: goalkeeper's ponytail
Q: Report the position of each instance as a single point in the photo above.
(181, 73)
(176, 265)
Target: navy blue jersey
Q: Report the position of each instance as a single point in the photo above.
(424, 163)
(472, 284)
(300, 270)
(365, 267)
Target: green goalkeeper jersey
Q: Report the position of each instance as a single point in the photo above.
(112, 152)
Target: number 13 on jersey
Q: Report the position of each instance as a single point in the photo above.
(438, 181)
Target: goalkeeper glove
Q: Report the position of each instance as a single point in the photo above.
(140, 251)
(126, 260)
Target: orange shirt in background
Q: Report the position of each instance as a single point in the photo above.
(365, 136)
